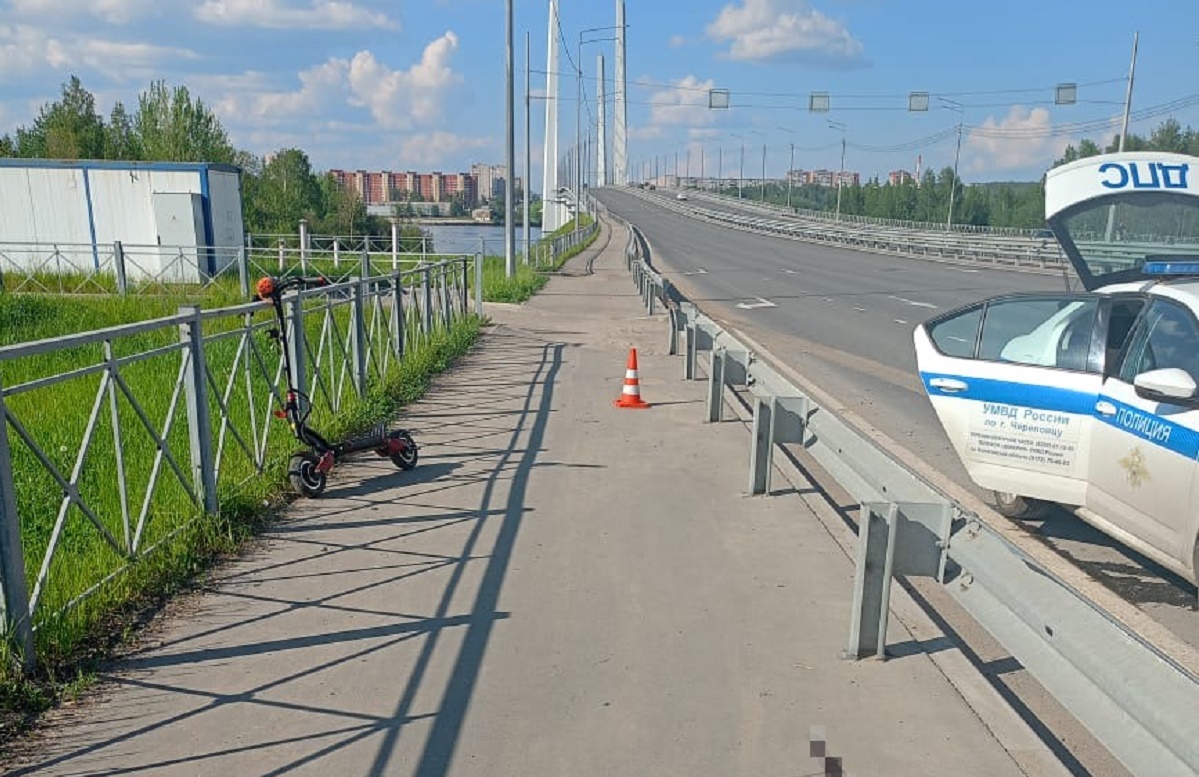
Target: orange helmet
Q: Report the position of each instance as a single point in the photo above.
(266, 287)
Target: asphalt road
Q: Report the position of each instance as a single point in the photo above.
(845, 319)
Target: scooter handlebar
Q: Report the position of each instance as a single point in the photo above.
(271, 288)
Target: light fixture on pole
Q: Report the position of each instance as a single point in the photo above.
(840, 176)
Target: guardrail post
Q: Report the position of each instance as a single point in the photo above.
(776, 420)
(358, 344)
(653, 297)
(689, 359)
(398, 317)
(296, 348)
(15, 599)
(672, 347)
(118, 260)
(478, 284)
(199, 422)
(716, 386)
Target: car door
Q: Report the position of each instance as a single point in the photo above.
(1144, 447)
(1014, 381)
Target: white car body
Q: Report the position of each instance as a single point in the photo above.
(1089, 398)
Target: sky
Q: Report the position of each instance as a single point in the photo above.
(366, 84)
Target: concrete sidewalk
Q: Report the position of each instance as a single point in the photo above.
(559, 589)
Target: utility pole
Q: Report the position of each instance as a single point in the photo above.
(510, 148)
(763, 172)
(1132, 72)
(741, 174)
(528, 181)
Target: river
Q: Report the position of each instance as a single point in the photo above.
(467, 239)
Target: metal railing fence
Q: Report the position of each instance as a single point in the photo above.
(113, 441)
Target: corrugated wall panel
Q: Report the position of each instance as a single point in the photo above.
(123, 208)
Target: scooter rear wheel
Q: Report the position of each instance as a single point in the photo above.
(405, 459)
(305, 475)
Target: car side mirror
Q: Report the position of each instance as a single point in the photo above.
(1166, 385)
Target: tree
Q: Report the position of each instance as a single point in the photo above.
(288, 192)
(172, 127)
(120, 137)
(67, 129)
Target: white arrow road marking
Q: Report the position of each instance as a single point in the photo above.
(913, 302)
(761, 303)
(900, 321)
(696, 271)
(789, 271)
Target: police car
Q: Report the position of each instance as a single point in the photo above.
(1090, 399)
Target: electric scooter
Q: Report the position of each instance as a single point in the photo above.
(308, 470)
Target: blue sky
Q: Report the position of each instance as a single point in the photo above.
(400, 85)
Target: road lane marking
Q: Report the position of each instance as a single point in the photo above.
(696, 271)
(860, 310)
(761, 303)
(912, 302)
(789, 271)
(900, 321)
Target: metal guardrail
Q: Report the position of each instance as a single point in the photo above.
(1137, 701)
(1027, 252)
(203, 423)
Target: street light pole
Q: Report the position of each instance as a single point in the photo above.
(961, 109)
(510, 152)
(528, 151)
(840, 176)
(763, 172)
(790, 173)
(741, 174)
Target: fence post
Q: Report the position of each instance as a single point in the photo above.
(358, 343)
(296, 348)
(395, 244)
(336, 254)
(304, 245)
(447, 306)
(427, 302)
(243, 270)
(118, 261)
(398, 320)
(366, 262)
(15, 599)
(282, 259)
(199, 423)
(478, 284)
(462, 292)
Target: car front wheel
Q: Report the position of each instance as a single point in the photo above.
(1019, 507)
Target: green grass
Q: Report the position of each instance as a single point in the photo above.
(68, 641)
(528, 279)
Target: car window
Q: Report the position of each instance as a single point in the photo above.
(1041, 331)
(1168, 338)
(958, 335)
(1123, 315)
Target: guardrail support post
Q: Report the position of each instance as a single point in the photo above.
(118, 260)
(15, 599)
(199, 422)
(689, 359)
(358, 344)
(716, 386)
(296, 341)
(776, 420)
(673, 341)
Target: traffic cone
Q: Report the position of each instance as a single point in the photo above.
(630, 396)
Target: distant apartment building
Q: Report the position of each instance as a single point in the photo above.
(899, 177)
(386, 187)
(823, 177)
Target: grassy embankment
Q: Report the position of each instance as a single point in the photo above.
(70, 641)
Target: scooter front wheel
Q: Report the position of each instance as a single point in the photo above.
(306, 477)
(406, 457)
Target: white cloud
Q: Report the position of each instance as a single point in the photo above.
(765, 30)
(25, 49)
(686, 104)
(429, 150)
(114, 11)
(406, 98)
(318, 14)
(678, 40)
(1017, 141)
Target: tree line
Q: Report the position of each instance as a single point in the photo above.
(1014, 204)
(169, 124)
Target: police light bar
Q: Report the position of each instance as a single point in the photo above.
(1160, 267)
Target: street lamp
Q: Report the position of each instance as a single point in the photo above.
(961, 109)
(840, 176)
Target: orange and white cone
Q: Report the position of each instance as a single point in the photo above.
(630, 396)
